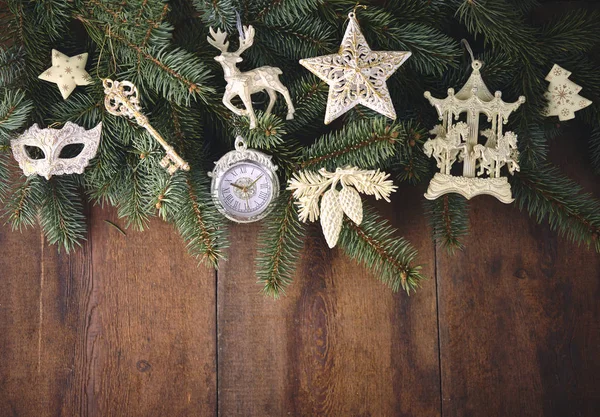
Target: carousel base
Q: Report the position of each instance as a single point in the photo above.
(469, 187)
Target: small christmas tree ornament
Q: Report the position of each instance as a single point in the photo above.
(122, 100)
(460, 142)
(309, 186)
(50, 158)
(563, 95)
(67, 72)
(244, 184)
(356, 74)
(244, 84)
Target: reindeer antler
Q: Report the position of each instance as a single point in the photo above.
(217, 39)
(246, 41)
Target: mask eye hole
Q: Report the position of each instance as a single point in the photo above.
(71, 151)
(34, 152)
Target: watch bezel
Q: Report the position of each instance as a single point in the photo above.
(243, 155)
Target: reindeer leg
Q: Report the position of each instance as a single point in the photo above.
(272, 98)
(247, 100)
(286, 95)
(227, 102)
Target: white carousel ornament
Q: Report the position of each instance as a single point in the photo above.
(244, 84)
(244, 184)
(122, 100)
(51, 142)
(563, 95)
(309, 186)
(460, 142)
(356, 74)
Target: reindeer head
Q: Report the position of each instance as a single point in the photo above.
(218, 40)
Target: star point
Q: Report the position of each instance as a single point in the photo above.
(54, 74)
(356, 74)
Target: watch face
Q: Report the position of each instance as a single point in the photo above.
(245, 191)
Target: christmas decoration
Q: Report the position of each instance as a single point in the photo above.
(142, 41)
(459, 142)
(356, 74)
(67, 72)
(244, 184)
(244, 84)
(563, 95)
(309, 186)
(122, 100)
(50, 143)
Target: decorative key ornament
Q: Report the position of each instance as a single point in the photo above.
(52, 157)
(122, 100)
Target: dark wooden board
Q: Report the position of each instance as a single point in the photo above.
(124, 326)
(520, 315)
(339, 344)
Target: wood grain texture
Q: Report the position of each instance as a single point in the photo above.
(520, 316)
(151, 336)
(125, 329)
(38, 331)
(339, 344)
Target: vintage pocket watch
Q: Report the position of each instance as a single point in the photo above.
(244, 184)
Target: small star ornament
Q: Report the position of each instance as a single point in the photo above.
(67, 72)
(356, 74)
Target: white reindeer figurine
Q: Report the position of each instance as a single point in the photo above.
(243, 84)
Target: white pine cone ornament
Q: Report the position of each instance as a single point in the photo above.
(332, 216)
(309, 187)
(351, 204)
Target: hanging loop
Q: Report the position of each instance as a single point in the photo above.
(475, 63)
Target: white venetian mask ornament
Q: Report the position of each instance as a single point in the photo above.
(54, 154)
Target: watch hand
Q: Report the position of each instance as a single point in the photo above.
(247, 203)
(254, 182)
(239, 186)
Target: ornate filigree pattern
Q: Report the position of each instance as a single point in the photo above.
(356, 74)
(240, 155)
(121, 99)
(459, 141)
(51, 142)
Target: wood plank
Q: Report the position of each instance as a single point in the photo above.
(520, 315)
(39, 313)
(151, 336)
(340, 343)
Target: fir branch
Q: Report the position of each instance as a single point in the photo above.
(268, 134)
(575, 32)
(449, 220)
(61, 212)
(374, 245)
(14, 112)
(433, 52)
(133, 199)
(365, 143)
(595, 149)
(217, 13)
(21, 207)
(310, 98)
(273, 12)
(549, 196)
(5, 158)
(200, 225)
(282, 240)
